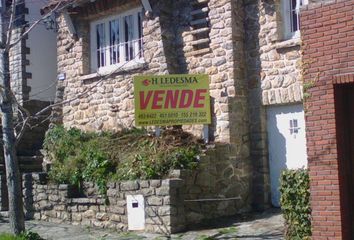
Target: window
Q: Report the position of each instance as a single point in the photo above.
(291, 11)
(117, 41)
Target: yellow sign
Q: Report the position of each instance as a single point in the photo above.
(162, 100)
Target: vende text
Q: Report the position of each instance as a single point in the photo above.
(172, 99)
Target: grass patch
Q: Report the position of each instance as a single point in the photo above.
(28, 235)
(6, 236)
(79, 156)
(204, 237)
(228, 230)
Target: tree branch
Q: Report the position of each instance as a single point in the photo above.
(9, 30)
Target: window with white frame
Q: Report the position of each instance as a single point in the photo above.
(117, 41)
(291, 17)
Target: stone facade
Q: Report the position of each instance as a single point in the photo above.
(273, 77)
(95, 102)
(18, 58)
(164, 212)
(274, 63)
(109, 103)
(242, 49)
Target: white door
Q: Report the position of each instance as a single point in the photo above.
(286, 142)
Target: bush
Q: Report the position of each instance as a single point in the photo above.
(78, 156)
(295, 203)
(27, 235)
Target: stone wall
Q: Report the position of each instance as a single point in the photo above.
(164, 212)
(273, 77)
(219, 187)
(18, 56)
(274, 62)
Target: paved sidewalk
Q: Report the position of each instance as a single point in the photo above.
(267, 225)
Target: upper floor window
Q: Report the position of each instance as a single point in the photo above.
(117, 41)
(291, 17)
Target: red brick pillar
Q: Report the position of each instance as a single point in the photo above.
(327, 30)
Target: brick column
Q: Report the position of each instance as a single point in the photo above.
(328, 57)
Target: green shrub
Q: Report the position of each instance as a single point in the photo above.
(27, 235)
(295, 203)
(78, 156)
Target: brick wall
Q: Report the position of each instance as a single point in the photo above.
(328, 60)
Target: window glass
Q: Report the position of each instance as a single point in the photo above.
(114, 41)
(101, 40)
(117, 39)
(129, 31)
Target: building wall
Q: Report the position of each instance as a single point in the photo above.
(32, 60)
(166, 50)
(328, 58)
(108, 103)
(273, 77)
(42, 56)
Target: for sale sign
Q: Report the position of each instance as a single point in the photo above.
(181, 99)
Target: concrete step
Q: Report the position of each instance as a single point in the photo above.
(27, 164)
(200, 30)
(199, 11)
(196, 2)
(200, 41)
(200, 21)
(198, 52)
(4, 214)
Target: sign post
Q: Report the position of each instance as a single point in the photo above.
(163, 100)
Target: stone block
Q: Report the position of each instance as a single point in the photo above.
(115, 218)
(163, 191)
(117, 210)
(154, 201)
(89, 214)
(151, 211)
(167, 210)
(129, 186)
(155, 183)
(147, 192)
(144, 184)
(76, 217)
(102, 216)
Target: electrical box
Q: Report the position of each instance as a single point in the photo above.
(136, 212)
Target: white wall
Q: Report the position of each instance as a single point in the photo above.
(43, 56)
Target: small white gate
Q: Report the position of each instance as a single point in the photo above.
(286, 143)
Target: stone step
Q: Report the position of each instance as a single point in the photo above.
(200, 30)
(196, 2)
(27, 164)
(30, 159)
(200, 11)
(200, 41)
(200, 21)
(4, 214)
(198, 52)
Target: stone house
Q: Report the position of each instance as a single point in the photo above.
(251, 51)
